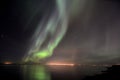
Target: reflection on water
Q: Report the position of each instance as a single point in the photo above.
(51, 72)
(35, 72)
(40, 72)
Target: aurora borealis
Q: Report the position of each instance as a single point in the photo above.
(54, 28)
(81, 31)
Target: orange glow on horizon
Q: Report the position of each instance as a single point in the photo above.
(7, 62)
(60, 64)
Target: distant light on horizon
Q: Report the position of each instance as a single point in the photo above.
(60, 64)
(7, 63)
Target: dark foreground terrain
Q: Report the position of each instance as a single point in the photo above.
(40, 72)
(112, 73)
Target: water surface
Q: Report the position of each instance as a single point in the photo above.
(41, 72)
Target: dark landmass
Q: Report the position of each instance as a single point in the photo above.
(112, 73)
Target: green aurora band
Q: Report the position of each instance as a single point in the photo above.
(54, 28)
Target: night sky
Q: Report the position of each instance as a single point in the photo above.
(93, 35)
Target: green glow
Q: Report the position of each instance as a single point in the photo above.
(35, 72)
(41, 55)
(55, 27)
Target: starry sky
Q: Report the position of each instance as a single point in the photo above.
(92, 35)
